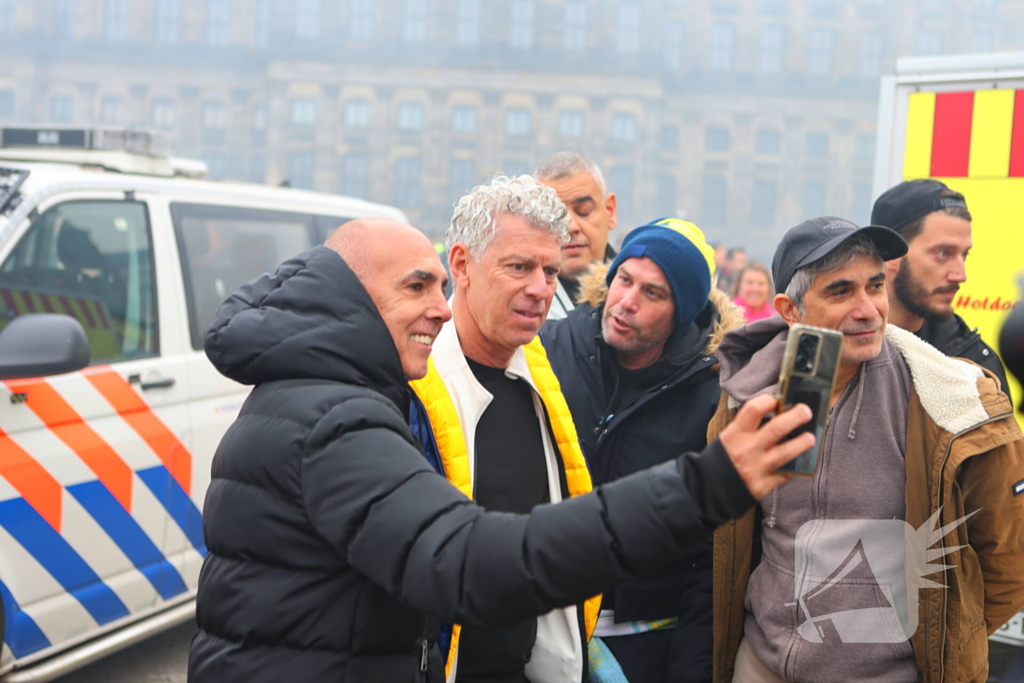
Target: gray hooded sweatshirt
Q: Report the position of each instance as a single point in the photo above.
(812, 526)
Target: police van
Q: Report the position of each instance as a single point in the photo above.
(113, 261)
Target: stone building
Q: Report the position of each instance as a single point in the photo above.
(743, 115)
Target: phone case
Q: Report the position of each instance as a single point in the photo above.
(808, 372)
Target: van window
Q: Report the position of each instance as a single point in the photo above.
(91, 260)
(223, 247)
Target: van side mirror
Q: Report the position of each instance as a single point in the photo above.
(40, 344)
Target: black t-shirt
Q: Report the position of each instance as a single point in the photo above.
(511, 475)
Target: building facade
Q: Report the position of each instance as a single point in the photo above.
(745, 116)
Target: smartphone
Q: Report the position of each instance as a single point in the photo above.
(809, 367)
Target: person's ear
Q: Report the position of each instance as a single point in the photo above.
(892, 267)
(611, 205)
(458, 265)
(787, 309)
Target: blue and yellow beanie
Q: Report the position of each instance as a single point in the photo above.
(682, 253)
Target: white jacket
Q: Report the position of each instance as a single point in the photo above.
(558, 655)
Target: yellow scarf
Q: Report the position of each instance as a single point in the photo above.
(451, 442)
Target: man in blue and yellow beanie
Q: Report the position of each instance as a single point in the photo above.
(637, 368)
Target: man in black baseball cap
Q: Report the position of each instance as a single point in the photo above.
(893, 449)
(936, 224)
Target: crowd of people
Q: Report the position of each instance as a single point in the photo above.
(569, 470)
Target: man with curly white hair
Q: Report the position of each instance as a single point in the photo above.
(490, 383)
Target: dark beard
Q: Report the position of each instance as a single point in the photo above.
(913, 297)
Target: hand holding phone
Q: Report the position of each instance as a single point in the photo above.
(809, 367)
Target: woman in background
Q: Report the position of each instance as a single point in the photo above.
(753, 292)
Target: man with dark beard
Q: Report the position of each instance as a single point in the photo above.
(936, 225)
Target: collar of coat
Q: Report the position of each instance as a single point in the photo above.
(949, 388)
(594, 291)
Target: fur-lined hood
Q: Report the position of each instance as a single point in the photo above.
(594, 291)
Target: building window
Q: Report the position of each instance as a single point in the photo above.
(214, 116)
(467, 22)
(517, 122)
(259, 125)
(360, 20)
(864, 149)
(929, 41)
(824, 9)
(356, 175)
(65, 18)
(773, 49)
(168, 20)
(162, 115)
(300, 169)
(713, 202)
(621, 182)
(723, 45)
(666, 201)
(515, 168)
(630, 24)
(570, 124)
(6, 104)
(263, 23)
(816, 146)
(668, 137)
(812, 199)
(577, 24)
(461, 178)
(765, 200)
(624, 127)
(464, 119)
(983, 40)
(521, 17)
(775, 7)
(716, 140)
(414, 21)
(303, 111)
(215, 165)
(218, 21)
(307, 18)
(116, 24)
(62, 109)
(112, 111)
(410, 117)
(766, 141)
(871, 54)
(822, 41)
(357, 114)
(861, 204)
(9, 16)
(258, 169)
(407, 182)
(672, 44)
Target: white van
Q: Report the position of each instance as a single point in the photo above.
(105, 461)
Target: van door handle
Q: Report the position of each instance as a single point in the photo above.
(164, 383)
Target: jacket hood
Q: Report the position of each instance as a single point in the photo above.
(594, 291)
(311, 319)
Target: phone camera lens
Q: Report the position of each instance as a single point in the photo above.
(805, 353)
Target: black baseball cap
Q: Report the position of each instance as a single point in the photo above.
(816, 238)
(910, 200)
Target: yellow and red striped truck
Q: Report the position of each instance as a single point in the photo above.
(960, 119)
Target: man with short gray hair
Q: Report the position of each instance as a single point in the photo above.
(917, 446)
(503, 433)
(592, 215)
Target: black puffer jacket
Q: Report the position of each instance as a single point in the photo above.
(954, 338)
(331, 538)
(623, 429)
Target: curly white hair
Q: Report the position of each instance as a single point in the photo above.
(474, 222)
